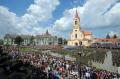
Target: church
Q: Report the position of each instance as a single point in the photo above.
(78, 36)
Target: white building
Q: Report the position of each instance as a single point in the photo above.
(46, 39)
(9, 39)
(78, 36)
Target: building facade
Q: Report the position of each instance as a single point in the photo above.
(78, 36)
(44, 39)
(9, 39)
(26, 39)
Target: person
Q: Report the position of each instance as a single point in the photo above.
(1, 50)
(87, 75)
(93, 75)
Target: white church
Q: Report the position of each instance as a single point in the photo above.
(78, 36)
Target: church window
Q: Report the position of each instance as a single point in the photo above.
(76, 44)
(75, 22)
(75, 35)
(80, 43)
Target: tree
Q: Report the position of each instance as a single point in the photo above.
(114, 36)
(60, 41)
(108, 36)
(1, 42)
(65, 41)
(18, 40)
(32, 40)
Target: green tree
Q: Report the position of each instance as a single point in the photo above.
(65, 41)
(18, 40)
(1, 42)
(60, 41)
(114, 36)
(32, 40)
(108, 36)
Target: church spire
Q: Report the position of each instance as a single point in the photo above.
(47, 33)
(76, 15)
(76, 21)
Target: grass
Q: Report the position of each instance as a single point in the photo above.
(62, 51)
(27, 49)
(88, 54)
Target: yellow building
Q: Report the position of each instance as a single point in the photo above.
(78, 36)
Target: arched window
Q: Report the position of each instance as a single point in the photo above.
(75, 35)
(80, 43)
(76, 44)
(75, 22)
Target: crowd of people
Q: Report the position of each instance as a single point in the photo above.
(60, 68)
(106, 45)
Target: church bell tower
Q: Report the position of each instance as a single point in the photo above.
(76, 22)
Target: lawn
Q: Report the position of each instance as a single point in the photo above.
(61, 51)
(27, 49)
(87, 54)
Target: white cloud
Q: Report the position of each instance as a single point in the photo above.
(65, 23)
(8, 21)
(30, 22)
(112, 33)
(93, 14)
(114, 15)
(42, 9)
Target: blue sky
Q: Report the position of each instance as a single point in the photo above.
(17, 6)
(36, 16)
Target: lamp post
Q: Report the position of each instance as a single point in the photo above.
(79, 67)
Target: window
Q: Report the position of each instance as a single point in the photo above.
(75, 22)
(75, 35)
(76, 44)
(80, 43)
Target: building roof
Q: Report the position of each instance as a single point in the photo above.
(13, 36)
(47, 34)
(113, 40)
(10, 36)
(26, 36)
(76, 15)
(87, 33)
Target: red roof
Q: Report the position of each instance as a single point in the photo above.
(113, 40)
(87, 33)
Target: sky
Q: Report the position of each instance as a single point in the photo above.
(34, 17)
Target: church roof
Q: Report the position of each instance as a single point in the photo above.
(26, 36)
(47, 34)
(76, 15)
(87, 33)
